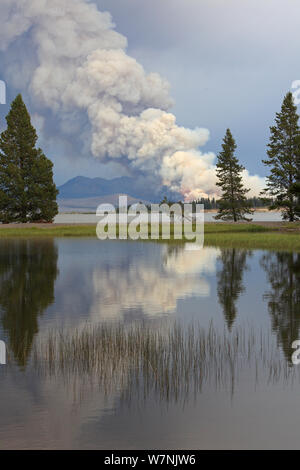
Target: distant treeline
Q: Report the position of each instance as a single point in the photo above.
(254, 202)
(212, 203)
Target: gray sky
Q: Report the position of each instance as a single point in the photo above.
(229, 63)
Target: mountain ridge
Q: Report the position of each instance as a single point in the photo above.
(81, 187)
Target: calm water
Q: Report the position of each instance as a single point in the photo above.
(65, 218)
(155, 346)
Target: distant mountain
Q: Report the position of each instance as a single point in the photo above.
(82, 187)
(90, 204)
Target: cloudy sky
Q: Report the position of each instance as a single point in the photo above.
(228, 62)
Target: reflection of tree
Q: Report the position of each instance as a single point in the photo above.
(28, 270)
(174, 249)
(283, 271)
(230, 281)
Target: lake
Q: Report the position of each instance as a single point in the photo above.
(141, 345)
(81, 218)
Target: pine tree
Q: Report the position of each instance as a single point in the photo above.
(296, 193)
(296, 187)
(283, 152)
(27, 190)
(233, 204)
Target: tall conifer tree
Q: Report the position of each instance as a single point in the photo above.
(283, 152)
(233, 205)
(296, 187)
(27, 190)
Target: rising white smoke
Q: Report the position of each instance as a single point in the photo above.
(82, 64)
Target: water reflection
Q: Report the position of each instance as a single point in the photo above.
(150, 287)
(230, 281)
(144, 284)
(283, 296)
(164, 360)
(28, 270)
(168, 363)
(152, 325)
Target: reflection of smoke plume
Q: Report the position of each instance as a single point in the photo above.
(82, 64)
(151, 290)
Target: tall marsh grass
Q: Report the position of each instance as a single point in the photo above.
(171, 363)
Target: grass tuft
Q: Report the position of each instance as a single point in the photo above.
(171, 362)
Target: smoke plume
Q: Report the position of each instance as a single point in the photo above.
(80, 65)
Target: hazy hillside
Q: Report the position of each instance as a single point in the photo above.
(90, 204)
(82, 187)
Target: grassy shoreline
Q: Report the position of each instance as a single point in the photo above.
(281, 236)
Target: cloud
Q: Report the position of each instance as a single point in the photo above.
(82, 66)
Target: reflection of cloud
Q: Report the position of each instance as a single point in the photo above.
(192, 262)
(154, 289)
(45, 413)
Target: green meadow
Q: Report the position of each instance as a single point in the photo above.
(281, 236)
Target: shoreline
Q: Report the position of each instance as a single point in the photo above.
(280, 236)
(266, 223)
